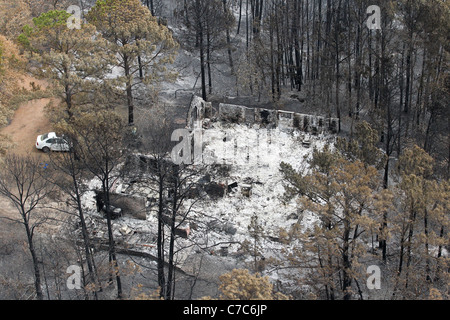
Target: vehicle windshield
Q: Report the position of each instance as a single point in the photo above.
(43, 137)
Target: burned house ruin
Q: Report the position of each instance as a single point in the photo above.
(201, 110)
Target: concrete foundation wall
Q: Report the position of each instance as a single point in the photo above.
(200, 110)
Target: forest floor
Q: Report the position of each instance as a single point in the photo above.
(28, 122)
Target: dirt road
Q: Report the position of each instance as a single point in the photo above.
(28, 122)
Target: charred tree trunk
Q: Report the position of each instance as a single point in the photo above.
(37, 274)
(173, 228)
(202, 52)
(230, 55)
(129, 91)
(111, 243)
(160, 240)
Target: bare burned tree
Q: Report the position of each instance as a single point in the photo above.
(154, 139)
(99, 135)
(207, 22)
(182, 183)
(69, 182)
(22, 183)
(172, 185)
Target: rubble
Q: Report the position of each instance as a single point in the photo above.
(225, 195)
(222, 227)
(122, 204)
(215, 190)
(183, 232)
(231, 187)
(246, 190)
(306, 143)
(125, 230)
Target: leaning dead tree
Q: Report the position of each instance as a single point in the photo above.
(22, 183)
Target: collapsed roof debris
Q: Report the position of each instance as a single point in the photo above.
(226, 193)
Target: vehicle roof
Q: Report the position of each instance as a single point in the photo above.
(51, 135)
